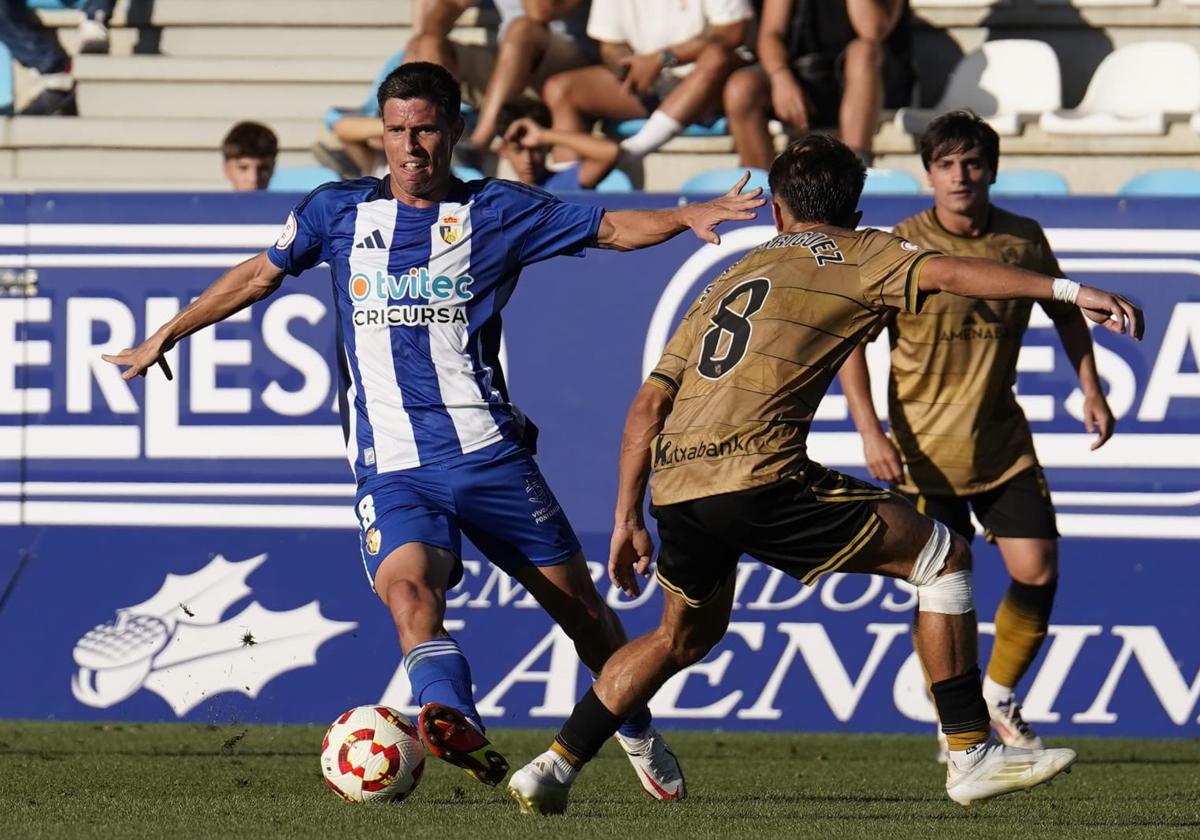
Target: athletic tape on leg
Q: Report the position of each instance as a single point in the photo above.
(951, 594)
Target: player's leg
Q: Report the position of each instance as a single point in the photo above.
(506, 508)
(1019, 517)
(411, 552)
(938, 564)
(633, 674)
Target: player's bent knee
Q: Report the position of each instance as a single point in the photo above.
(942, 574)
(688, 645)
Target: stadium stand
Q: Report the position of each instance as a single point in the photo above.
(179, 72)
(1134, 91)
(890, 182)
(1005, 82)
(300, 178)
(719, 181)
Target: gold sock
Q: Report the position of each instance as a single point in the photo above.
(567, 755)
(1021, 625)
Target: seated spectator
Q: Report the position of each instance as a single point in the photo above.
(668, 67)
(93, 29)
(527, 142)
(250, 150)
(537, 38)
(36, 47)
(822, 64)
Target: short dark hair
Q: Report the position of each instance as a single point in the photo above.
(958, 131)
(513, 111)
(423, 80)
(818, 179)
(250, 139)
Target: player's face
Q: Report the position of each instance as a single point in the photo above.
(417, 141)
(249, 173)
(961, 180)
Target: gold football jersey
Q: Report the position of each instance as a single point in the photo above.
(756, 352)
(953, 412)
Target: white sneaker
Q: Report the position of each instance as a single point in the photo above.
(93, 36)
(1010, 726)
(1004, 770)
(542, 786)
(657, 767)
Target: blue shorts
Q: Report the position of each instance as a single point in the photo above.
(496, 496)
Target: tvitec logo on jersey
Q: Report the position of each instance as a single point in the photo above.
(179, 645)
(433, 300)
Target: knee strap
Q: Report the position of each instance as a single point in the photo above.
(951, 594)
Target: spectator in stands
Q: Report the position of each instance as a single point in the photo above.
(665, 65)
(93, 28)
(527, 143)
(250, 150)
(537, 38)
(35, 47)
(822, 63)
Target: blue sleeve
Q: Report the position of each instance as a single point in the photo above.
(540, 226)
(301, 243)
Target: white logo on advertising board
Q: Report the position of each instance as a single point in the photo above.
(179, 645)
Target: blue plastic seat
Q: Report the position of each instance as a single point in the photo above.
(370, 106)
(300, 178)
(627, 128)
(720, 180)
(1164, 182)
(467, 173)
(890, 182)
(1030, 182)
(6, 80)
(615, 182)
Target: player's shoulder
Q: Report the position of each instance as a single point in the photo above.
(340, 193)
(1005, 222)
(504, 193)
(918, 225)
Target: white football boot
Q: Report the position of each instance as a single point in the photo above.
(1010, 726)
(1002, 770)
(656, 766)
(942, 756)
(543, 786)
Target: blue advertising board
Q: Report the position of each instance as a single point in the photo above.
(186, 549)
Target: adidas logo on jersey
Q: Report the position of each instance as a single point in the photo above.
(374, 240)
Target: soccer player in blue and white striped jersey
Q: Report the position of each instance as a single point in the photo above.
(422, 265)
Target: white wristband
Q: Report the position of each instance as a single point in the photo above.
(1065, 290)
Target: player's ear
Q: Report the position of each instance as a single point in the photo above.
(777, 215)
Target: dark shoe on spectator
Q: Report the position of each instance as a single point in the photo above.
(52, 102)
(93, 35)
(337, 160)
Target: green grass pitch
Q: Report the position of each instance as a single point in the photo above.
(189, 782)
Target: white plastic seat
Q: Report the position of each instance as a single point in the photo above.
(1134, 90)
(1196, 122)
(1002, 81)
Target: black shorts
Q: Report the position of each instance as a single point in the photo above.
(823, 80)
(805, 526)
(1020, 507)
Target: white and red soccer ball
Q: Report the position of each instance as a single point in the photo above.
(372, 754)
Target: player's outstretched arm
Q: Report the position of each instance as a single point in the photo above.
(628, 230)
(631, 548)
(979, 278)
(883, 461)
(234, 290)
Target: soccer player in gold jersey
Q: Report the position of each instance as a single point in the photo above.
(960, 441)
(724, 419)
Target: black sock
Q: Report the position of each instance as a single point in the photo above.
(961, 709)
(1035, 599)
(588, 727)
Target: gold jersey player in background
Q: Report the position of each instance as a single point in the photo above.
(961, 441)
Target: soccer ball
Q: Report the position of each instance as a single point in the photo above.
(372, 754)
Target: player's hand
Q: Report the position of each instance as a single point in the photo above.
(735, 205)
(1114, 312)
(788, 100)
(641, 72)
(525, 133)
(1098, 419)
(151, 352)
(883, 459)
(631, 550)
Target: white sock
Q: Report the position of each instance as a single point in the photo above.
(995, 693)
(966, 759)
(560, 768)
(659, 128)
(56, 81)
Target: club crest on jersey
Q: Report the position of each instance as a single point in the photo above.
(450, 229)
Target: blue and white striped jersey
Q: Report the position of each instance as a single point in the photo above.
(418, 295)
